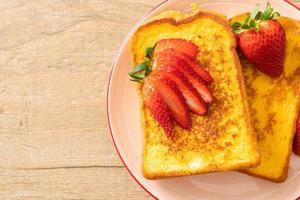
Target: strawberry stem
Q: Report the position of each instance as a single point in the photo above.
(254, 20)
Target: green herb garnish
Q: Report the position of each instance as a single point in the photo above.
(143, 69)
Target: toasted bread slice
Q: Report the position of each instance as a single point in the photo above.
(274, 105)
(223, 139)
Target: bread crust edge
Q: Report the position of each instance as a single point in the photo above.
(256, 160)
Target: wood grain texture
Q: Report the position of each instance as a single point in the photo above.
(55, 57)
(76, 184)
(54, 63)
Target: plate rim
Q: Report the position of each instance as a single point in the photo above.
(109, 82)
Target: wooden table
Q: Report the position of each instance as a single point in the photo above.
(55, 58)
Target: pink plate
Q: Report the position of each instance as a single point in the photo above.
(124, 122)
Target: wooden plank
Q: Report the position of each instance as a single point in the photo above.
(54, 63)
(76, 184)
(52, 123)
(55, 57)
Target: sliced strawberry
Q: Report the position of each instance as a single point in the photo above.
(166, 61)
(201, 88)
(154, 102)
(296, 144)
(192, 98)
(181, 45)
(205, 76)
(174, 100)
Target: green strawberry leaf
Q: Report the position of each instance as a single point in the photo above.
(252, 23)
(148, 71)
(137, 77)
(140, 67)
(149, 51)
(238, 31)
(254, 20)
(142, 70)
(275, 15)
(258, 15)
(246, 26)
(267, 13)
(136, 80)
(236, 25)
(246, 19)
(254, 12)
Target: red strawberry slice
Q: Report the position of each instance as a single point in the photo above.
(205, 76)
(192, 98)
(181, 45)
(201, 88)
(166, 61)
(296, 144)
(154, 102)
(174, 100)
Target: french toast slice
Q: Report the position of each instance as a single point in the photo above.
(274, 104)
(221, 140)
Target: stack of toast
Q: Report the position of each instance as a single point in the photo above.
(274, 106)
(250, 124)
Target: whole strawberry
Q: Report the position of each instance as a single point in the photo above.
(296, 145)
(262, 40)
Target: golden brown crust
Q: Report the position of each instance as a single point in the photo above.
(278, 180)
(210, 15)
(284, 174)
(241, 84)
(245, 101)
(162, 175)
(155, 176)
(286, 166)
